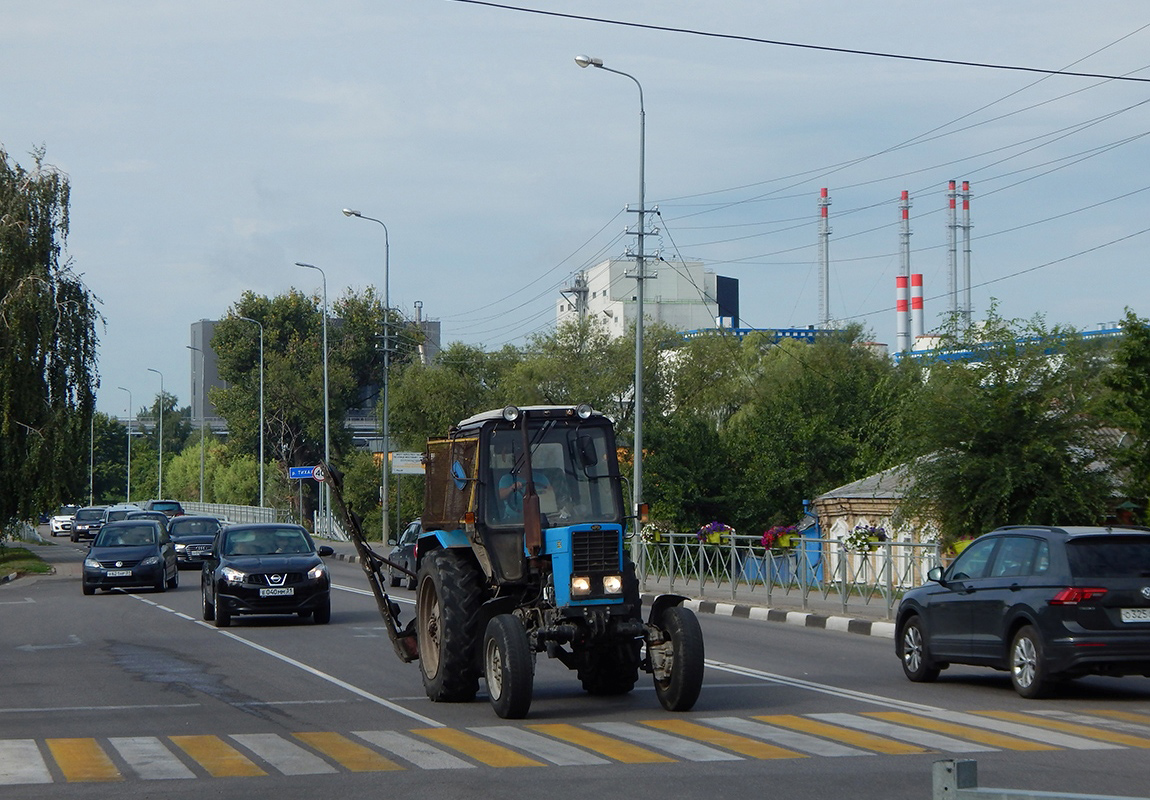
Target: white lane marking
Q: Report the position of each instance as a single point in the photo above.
(792, 740)
(419, 753)
(23, 602)
(366, 695)
(928, 739)
(73, 641)
(682, 748)
(149, 758)
(71, 709)
(288, 757)
(543, 747)
(356, 590)
(21, 762)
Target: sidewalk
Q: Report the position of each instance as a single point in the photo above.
(826, 614)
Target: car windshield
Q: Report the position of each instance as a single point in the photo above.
(266, 542)
(193, 527)
(66, 511)
(1111, 556)
(85, 514)
(127, 536)
(173, 506)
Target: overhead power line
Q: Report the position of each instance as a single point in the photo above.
(802, 45)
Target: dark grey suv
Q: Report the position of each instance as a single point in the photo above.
(1045, 604)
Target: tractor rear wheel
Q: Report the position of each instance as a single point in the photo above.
(447, 605)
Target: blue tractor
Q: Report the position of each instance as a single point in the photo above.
(523, 553)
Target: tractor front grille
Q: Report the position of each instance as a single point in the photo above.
(595, 551)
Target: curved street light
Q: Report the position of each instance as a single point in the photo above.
(326, 419)
(203, 368)
(640, 276)
(128, 495)
(257, 322)
(160, 478)
(384, 482)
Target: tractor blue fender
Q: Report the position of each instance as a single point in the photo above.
(661, 604)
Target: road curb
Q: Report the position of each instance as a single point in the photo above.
(862, 627)
(9, 578)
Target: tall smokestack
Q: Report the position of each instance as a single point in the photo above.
(824, 261)
(916, 309)
(902, 314)
(951, 250)
(968, 308)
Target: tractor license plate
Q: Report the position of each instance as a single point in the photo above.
(119, 573)
(277, 591)
(1135, 614)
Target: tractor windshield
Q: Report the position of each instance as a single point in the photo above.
(574, 469)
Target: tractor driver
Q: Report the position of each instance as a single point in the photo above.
(512, 485)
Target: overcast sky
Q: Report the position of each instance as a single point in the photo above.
(211, 144)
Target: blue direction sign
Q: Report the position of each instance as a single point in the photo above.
(300, 473)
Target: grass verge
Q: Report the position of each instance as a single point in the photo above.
(19, 559)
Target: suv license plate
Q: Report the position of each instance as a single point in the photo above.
(1135, 614)
(284, 591)
(119, 573)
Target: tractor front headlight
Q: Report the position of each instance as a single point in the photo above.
(580, 586)
(612, 584)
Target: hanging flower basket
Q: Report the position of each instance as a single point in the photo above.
(865, 538)
(714, 533)
(779, 538)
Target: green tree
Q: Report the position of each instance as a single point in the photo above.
(1003, 434)
(47, 345)
(1128, 402)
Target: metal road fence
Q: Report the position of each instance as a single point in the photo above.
(232, 513)
(813, 569)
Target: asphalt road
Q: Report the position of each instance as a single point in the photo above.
(134, 689)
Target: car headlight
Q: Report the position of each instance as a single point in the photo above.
(181, 547)
(91, 563)
(612, 584)
(317, 572)
(150, 561)
(580, 586)
(232, 575)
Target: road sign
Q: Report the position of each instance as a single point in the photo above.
(318, 473)
(300, 473)
(407, 464)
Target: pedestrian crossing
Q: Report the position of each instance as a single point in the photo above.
(668, 739)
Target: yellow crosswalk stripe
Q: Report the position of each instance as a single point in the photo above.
(219, 758)
(482, 750)
(744, 745)
(1070, 727)
(352, 755)
(83, 760)
(609, 746)
(869, 741)
(1005, 741)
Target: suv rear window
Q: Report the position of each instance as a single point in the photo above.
(1109, 557)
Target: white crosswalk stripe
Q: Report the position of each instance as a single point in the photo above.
(676, 746)
(150, 759)
(538, 746)
(288, 757)
(792, 740)
(1030, 732)
(416, 751)
(935, 741)
(21, 762)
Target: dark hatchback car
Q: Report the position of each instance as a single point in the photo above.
(265, 568)
(131, 553)
(87, 522)
(404, 554)
(170, 507)
(193, 537)
(1045, 604)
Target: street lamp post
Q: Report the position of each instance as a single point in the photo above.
(128, 494)
(203, 367)
(640, 276)
(257, 322)
(326, 420)
(160, 475)
(384, 482)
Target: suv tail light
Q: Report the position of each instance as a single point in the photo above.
(1072, 596)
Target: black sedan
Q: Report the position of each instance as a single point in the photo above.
(131, 553)
(265, 568)
(193, 537)
(1044, 604)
